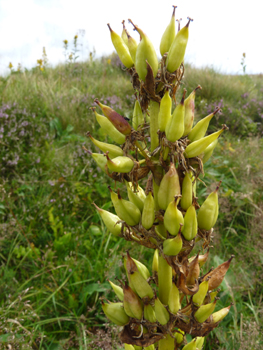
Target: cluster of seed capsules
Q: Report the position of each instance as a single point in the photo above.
(163, 147)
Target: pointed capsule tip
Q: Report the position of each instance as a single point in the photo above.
(189, 20)
(109, 27)
(174, 7)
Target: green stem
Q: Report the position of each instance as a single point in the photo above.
(154, 111)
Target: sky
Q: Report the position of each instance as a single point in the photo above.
(220, 33)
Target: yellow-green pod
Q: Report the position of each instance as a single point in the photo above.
(127, 211)
(190, 228)
(137, 118)
(165, 275)
(137, 197)
(173, 246)
(166, 343)
(155, 262)
(115, 312)
(199, 297)
(174, 299)
(168, 35)
(120, 164)
(177, 50)
(200, 342)
(121, 48)
(165, 111)
(124, 33)
(208, 212)
(196, 148)
(179, 336)
(205, 311)
(191, 345)
(117, 289)
(187, 191)
(162, 315)
(173, 217)
(114, 151)
(110, 220)
(169, 187)
(149, 313)
(148, 214)
(219, 315)
(132, 46)
(109, 128)
(128, 347)
(175, 127)
(200, 128)
(101, 160)
(189, 111)
(145, 52)
(206, 155)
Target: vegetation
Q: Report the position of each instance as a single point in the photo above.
(56, 254)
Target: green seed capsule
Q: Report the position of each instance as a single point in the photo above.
(189, 113)
(205, 156)
(121, 48)
(166, 343)
(101, 160)
(115, 312)
(165, 275)
(148, 213)
(204, 312)
(177, 50)
(132, 46)
(200, 342)
(196, 148)
(173, 217)
(168, 35)
(200, 128)
(175, 127)
(208, 212)
(118, 290)
(145, 52)
(165, 111)
(173, 246)
(174, 299)
(219, 315)
(115, 118)
(110, 220)
(169, 187)
(190, 228)
(124, 34)
(190, 346)
(114, 151)
(127, 211)
(120, 164)
(161, 313)
(187, 191)
(109, 128)
(199, 297)
(149, 313)
(137, 118)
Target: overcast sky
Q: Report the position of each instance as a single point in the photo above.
(220, 33)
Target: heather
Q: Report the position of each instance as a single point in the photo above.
(55, 253)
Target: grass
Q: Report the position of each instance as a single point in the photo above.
(55, 253)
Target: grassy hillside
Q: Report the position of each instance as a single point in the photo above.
(55, 254)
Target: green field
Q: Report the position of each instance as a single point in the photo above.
(55, 253)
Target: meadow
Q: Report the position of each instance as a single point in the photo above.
(55, 253)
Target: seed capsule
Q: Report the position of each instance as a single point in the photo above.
(132, 303)
(193, 272)
(118, 290)
(137, 197)
(206, 155)
(187, 191)
(200, 128)
(110, 220)
(127, 211)
(175, 126)
(177, 50)
(124, 34)
(148, 214)
(132, 46)
(114, 151)
(173, 246)
(217, 275)
(190, 227)
(161, 313)
(145, 52)
(115, 312)
(166, 343)
(199, 342)
(174, 299)
(109, 128)
(140, 266)
(137, 118)
(179, 336)
(169, 187)
(100, 160)
(173, 217)
(165, 275)
(149, 313)
(165, 111)
(199, 297)
(190, 346)
(120, 164)
(198, 147)
(219, 315)
(115, 118)
(168, 35)
(208, 212)
(189, 113)
(204, 312)
(121, 48)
